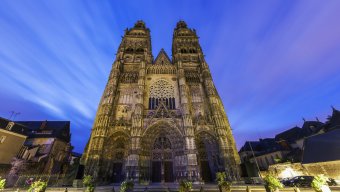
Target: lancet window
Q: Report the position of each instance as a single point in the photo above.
(162, 92)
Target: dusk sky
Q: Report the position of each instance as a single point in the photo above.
(273, 61)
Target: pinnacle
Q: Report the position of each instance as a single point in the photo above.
(181, 24)
(140, 24)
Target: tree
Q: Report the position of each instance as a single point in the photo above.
(222, 183)
(185, 186)
(272, 183)
(88, 183)
(319, 182)
(38, 186)
(2, 184)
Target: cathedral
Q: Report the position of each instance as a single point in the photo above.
(160, 119)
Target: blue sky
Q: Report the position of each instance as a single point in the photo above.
(273, 62)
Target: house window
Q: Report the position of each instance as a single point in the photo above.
(10, 125)
(273, 160)
(267, 161)
(2, 139)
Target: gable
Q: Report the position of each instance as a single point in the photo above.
(162, 58)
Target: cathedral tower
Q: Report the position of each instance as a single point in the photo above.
(160, 120)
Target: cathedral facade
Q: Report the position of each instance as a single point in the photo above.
(160, 120)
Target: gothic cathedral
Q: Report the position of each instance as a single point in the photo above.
(160, 120)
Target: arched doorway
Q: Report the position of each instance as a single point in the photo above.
(116, 154)
(162, 160)
(208, 156)
(162, 154)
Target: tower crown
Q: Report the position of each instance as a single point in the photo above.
(181, 24)
(185, 42)
(136, 44)
(182, 30)
(140, 24)
(138, 30)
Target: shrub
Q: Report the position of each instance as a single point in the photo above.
(185, 186)
(126, 185)
(2, 183)
(38, 186)
(318, 182)
(201, 189)
(272, 183)
(143, 182)
(222, 182)
(88, 183)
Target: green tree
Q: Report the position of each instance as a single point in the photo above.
(2, 184)
(126, 186)
(222, 182)
(88, 183)
(318, 182)
(38, 186)
(185, 186)
(272, 183)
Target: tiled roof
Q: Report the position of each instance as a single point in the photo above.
(47, 129)
(289, 135)
(322, 148)
(17, 128)
(308, 128)
(263, 146)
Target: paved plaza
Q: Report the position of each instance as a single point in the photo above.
(174, 188)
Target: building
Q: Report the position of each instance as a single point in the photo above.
(47, 149)
(313, 149)
(160, 119)
(257, 156)
(321, 154)
(12, 138)
(296, 136)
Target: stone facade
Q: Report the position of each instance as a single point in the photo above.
(12, 138)
(10, 145)
(160, 120)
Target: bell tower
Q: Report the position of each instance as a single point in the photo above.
(202, 107)
(185, 51)
(120, 110)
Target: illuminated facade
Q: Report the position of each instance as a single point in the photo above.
(160, 120)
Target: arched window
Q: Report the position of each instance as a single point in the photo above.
(139, 50)
(129, 50)
(183, 51)
(192, 50)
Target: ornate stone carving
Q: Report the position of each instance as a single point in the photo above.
(129, 77)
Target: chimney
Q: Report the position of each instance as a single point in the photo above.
(43, 124)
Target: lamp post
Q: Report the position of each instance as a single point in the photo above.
(257, 165)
